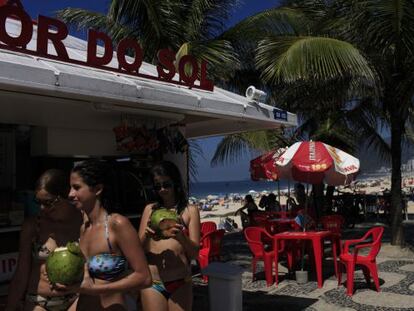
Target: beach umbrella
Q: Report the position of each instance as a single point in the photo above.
(315, 162)
(263, 167)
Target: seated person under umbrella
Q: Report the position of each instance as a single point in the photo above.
(272, 205)
(250, 206)
(298, 206)
(298, 201)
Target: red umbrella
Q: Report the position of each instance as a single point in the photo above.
(263, 167)
(314, 162)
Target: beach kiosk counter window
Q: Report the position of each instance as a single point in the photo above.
(64, 99)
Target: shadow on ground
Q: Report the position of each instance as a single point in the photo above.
(255, 300)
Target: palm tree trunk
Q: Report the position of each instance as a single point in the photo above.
(397, 124)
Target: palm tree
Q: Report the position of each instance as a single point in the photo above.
(364, 45)
(184, 26)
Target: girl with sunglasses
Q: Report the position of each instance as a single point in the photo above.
(169, 258)
(57, 223)
(116, 262)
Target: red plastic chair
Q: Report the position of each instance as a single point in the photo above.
(332, 223)
(208, 226)
(258, 219)
(210, 250)
(368, 262)
(254, 237)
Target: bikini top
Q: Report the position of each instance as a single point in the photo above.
(107, 266)
(40, 251)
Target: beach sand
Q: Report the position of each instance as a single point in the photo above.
(365, 186)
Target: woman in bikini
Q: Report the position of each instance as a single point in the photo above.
(57, 223)
(116, 262)
(169, 259)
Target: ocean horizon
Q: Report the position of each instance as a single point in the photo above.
(222, 188)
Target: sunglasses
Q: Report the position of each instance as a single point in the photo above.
(47, 203)
(163, 185)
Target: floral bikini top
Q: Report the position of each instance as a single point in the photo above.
(107, 266)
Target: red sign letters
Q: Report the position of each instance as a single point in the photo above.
(55, 31)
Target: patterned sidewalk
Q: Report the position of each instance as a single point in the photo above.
(396, 272)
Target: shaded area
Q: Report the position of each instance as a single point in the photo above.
(393, 262)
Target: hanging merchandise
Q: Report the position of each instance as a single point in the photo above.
(171, 140)
(137, 138)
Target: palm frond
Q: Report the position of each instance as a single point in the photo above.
(290, 59)
(234, 146)
(277, 21)
(206, 18)
(195, 154)
(219, 54)
(390, 26)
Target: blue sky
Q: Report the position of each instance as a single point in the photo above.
(235, 171)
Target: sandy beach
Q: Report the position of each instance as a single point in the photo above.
(371, 186)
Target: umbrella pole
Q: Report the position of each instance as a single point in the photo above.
(302, 265)
(278, 190)
(288, 197)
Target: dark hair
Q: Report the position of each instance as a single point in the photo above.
(271, 197)
(166, 168)
(248, 198)
(55, 182)
(98, 172)
(299, 186)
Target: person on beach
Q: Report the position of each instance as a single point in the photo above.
(297, 202)
(272, 205)
(116, 262)
(301, 208)
(263, 203)
(57, 223)
(249, 205)
(170, 258)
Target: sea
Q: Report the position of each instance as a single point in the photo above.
(221, 188)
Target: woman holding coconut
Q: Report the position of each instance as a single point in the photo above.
(115, 260)
(57, 223)
(169, 251)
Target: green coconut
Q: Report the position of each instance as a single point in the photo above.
(163, 219)
(65, 264)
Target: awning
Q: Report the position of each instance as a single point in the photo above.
(59, 87)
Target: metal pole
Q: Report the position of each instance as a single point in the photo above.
(278, 190)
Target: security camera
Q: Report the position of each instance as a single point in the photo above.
(255, 95)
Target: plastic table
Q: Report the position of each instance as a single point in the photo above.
(317, 238)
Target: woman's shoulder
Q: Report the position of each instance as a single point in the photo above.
(117, 220)
(191, 209)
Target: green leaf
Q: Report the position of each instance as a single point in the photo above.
(291, 59)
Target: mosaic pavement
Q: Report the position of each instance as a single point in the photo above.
(396, 271)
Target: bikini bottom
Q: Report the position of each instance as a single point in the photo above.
(56, 303)
(167, 289)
